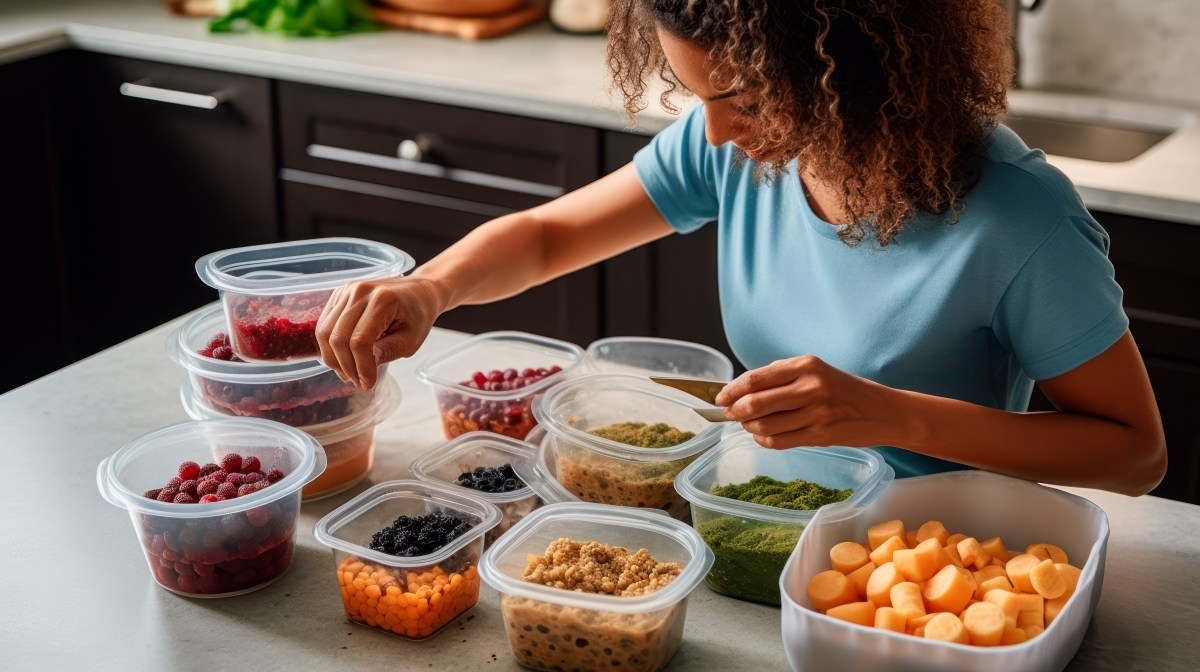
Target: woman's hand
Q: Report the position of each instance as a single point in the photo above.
(370, 322)
(803, 401)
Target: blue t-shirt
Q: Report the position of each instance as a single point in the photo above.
(1019, 289)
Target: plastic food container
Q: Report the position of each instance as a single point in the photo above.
(444, 464)
(413, 597)
(647, 355)
(751, 543)
(504, 411)
(273, 294)
(296, 393)
(349, 442)
(537, 470)
(599, 470)
(554, 629)
(221, 548)
(1021, 512)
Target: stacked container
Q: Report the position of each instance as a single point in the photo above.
(648, 355)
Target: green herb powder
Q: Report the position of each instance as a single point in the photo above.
(659, 435)
(799, 495)
(748, 556)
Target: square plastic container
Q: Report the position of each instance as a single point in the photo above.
(598, 470)
(412, 597)
(555, 629)
(468, 402)
(646, 355)
(751, 543)
(217, 549)
(444, 464)
(296, 393)
(273, 294)
(971, 502)
(349, 441)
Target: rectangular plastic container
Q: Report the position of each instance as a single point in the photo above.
(273, 294)
(751, 543)
(647, 355)
(538, 470)
(970, 502)
(445, 463)
(521, 367)
(608, 472)
(412, 597)
(554, 629)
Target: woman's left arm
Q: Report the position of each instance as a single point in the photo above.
(1106, 434)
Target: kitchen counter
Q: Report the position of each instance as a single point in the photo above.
(79, 595)
(534, 72)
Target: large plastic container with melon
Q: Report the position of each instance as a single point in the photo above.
(971, 502)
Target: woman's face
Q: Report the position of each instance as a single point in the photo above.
(726, 113)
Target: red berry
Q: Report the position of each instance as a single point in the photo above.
(251, 488)
(227, 490)
(207, 487)
(174, 482)
(257, 517)
(223, 352)
(209, 469)
(236, 479)
(211, 498)
(189, 487)
(274, 475)
(231, 463)
(167, 494)
(152, 494)
(479, 378)
(253, 477)
(184, 498)
(555, 369)
(189, 471)
(250, 464)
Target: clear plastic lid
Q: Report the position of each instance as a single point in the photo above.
(501, 350)
(537, 470)
(738, 459)
(444, 463)
(645, 354)
(571, 408)
(147, 461)
(350, 526)
(300, 265)
(667, 539)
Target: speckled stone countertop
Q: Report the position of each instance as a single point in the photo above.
(538, 73)
(78, 594)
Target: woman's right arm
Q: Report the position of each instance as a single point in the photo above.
(369, 322)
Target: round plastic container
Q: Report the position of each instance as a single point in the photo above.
(296, 393)
(221, 548)
(444, 464)
(751, 543)
(273, 294)
(349, 442)
(555, 629)
(412, 597)
(968, 502)
(647, 355)
(599, 470)
(467, 405)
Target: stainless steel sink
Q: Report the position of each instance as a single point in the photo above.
(1090, 127)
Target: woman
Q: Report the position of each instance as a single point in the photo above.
(895, 268)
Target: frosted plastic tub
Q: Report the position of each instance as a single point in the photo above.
(555, 629)
(747, 539)
(273, 294)
(349, 441)
(464, 408)
(296, 393)
(538, 471)
(648, 355)
(977, 502)
(445, 463)
(599, 470)
(217, 549)
(411, 597)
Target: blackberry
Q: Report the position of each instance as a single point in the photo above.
(409, 536)
(493, 480)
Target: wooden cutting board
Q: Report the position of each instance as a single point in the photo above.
(466, 27)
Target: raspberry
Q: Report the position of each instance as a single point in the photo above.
(236, 479)
(223, 352)
(215, 342)
(211, 498)
(152, 494)
(251, 488)
(227, 490)
(184, 498)
(250, 464)
(274, 475)
(168, 493)
(207, 487)
(253, 477)
(209, 469)
(189, 487)
(174, 482)
(258, 517)
(189, 471)
(231, 463)
(218, 475)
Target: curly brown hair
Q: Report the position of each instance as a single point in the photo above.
(890, 99)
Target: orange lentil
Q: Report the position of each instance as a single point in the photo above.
(416, 607)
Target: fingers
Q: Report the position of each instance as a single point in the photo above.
(329, 317)
(811, 422)
(341, 356)
(775, 374)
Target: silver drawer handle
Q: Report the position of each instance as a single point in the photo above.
(413, 167)
(142, 89)
(413, 150)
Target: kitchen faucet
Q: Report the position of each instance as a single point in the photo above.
(1014, 8)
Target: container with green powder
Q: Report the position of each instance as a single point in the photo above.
(751, 504)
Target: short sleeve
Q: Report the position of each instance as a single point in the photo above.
(679, 172)
(1063, 307)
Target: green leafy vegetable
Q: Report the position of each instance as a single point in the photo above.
(299, 18)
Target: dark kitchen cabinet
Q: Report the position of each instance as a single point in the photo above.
(668, 288)
(148, 186)
(421, 176)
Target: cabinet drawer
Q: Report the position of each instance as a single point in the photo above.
(483, 156)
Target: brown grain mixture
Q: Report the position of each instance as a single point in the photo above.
(593, 567)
